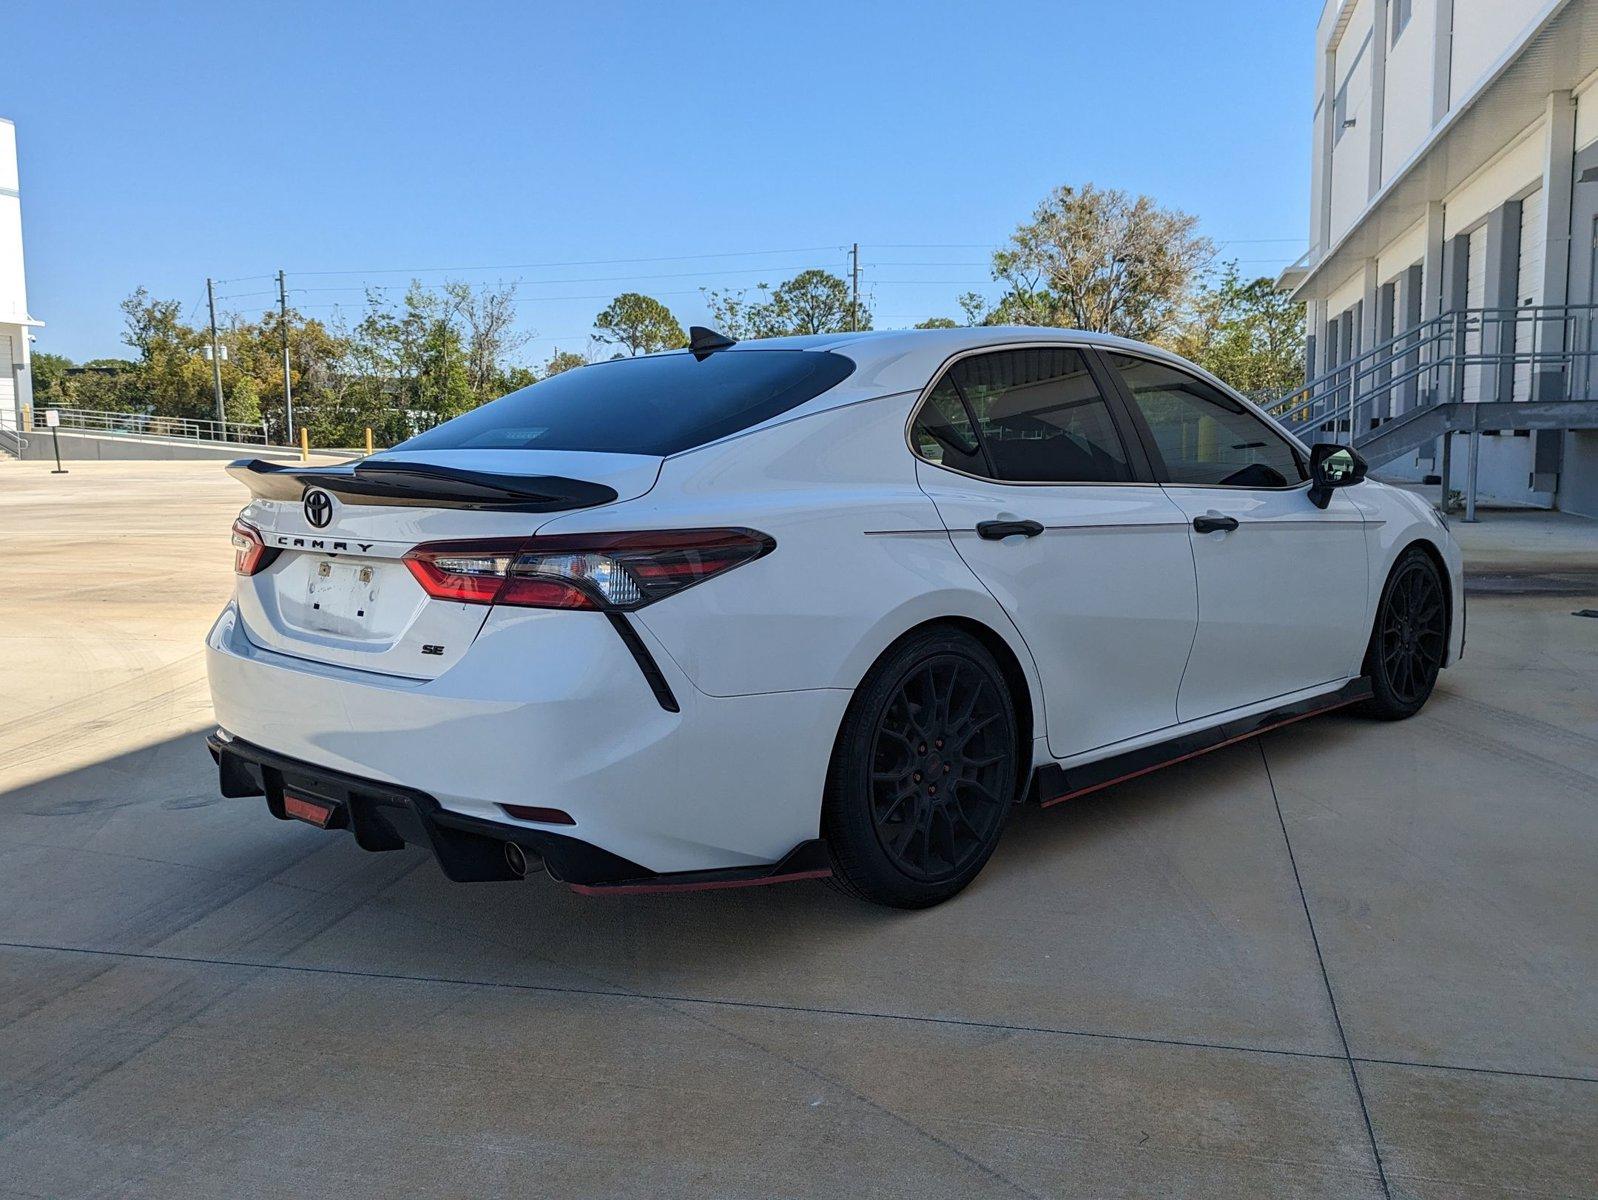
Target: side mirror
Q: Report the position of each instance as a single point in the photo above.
(1332, 466)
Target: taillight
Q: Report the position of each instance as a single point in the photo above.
(601, 571)
(250, 553)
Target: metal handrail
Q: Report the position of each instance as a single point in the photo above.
(1431, 363)
(151, 425)
(18, 442)
(1385, 348)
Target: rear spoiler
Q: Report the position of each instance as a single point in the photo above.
(420, 484)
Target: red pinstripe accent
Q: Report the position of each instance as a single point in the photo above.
(705, 885)
(1171, 762)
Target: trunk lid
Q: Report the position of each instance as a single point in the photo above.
(338, 591)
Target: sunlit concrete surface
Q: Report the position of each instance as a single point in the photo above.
(1151, 993)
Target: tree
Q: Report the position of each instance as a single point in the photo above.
(410, 361)
(1097, 258)
(488, 316)
(813, 301)
(514, 379)
(939, 323)
(404, 367)
(736, 316)
(50, 380)
(561, 361)
(1246, 332)
(973, 306)
(641, 324)
(816, 301)
(170, 375)
(244, 402)
(151, 326)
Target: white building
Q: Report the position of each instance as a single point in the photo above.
(1454, 242)
(16, 390)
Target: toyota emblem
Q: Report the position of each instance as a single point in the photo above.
(318, 508)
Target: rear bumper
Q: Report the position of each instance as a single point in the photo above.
(550, 710)
(385, 816)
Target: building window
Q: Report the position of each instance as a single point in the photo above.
(1401, 10)
(1341, 121)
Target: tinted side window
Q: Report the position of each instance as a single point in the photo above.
(1041, 418)
(1204, 435)
(943, 434)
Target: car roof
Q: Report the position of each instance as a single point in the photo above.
(888, 361)
(878, 344)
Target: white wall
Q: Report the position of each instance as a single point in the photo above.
(1346, 294)
(1403, 252)
(1587, 115)
(1516, 168)
(13, 292)
(1528, 288)
(1407, 115)
(8, 396)
(1351, 147)
(1484, 30)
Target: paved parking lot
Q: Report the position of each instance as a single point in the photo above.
(1347, 960)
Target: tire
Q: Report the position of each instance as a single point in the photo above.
(1409, 639)
(923, 774)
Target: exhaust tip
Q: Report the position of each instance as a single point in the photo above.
(516, 860)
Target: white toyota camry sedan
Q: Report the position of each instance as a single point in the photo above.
(762, 611)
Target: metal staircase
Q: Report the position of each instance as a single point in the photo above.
(1467, 370)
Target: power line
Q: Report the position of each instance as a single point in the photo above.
(244, 278)
(590, 262)
(356, 287)
(514, 300)
(840, 248)
(933, 245)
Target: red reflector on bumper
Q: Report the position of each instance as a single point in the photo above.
(549, 816)
(314, 811)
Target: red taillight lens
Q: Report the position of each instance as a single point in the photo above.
(471, 572)
(603, 571)
(250, 553)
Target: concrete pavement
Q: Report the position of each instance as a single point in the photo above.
(1248, 975)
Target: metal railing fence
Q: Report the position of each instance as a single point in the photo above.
(1535, 352)
(148, 425)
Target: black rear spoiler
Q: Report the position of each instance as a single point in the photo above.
(420, 484)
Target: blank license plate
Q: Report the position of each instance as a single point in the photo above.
(341, 597)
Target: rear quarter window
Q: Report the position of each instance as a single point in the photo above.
(660, 404)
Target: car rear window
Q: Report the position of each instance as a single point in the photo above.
(661, 404)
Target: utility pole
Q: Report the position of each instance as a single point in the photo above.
(854, 290)
(216, 361)
(288, 387)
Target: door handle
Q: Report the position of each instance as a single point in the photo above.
(1214, 523)
(995, 530)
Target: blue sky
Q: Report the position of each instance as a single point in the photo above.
(354, 144)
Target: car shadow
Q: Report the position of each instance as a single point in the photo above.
(138, 853)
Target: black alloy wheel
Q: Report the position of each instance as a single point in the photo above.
(1410, 639)
(925, 772)
(936, 768)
